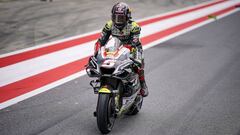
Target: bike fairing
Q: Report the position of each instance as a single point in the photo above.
(117, 83)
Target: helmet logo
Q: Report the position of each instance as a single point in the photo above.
(119, 10)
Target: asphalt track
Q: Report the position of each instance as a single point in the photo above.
(194, 84)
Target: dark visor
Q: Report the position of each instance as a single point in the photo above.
(119, 19)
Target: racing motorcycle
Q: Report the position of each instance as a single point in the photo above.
(117, 83)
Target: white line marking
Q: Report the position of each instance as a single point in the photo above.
(169, 23)
(43, 63)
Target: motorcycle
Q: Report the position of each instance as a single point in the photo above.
(117, 83)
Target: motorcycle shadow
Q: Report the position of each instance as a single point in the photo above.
(126, 123)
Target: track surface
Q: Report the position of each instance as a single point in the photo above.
(194, 83)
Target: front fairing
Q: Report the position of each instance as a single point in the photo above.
(113, 60)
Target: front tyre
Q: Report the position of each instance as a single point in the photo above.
(105, 113)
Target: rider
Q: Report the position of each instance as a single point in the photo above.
(128, 32)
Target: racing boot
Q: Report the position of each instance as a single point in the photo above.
(144, 90)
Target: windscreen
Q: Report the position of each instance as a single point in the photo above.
(112, 45)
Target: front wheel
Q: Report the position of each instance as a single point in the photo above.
(105, 113)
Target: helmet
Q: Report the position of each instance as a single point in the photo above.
(120, 14)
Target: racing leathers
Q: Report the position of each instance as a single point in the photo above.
(128, 35)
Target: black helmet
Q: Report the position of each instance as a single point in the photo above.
(120, 14)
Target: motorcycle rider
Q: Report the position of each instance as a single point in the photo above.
(128, 32)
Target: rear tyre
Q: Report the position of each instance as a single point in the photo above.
(105, 113)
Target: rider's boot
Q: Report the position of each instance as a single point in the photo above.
(144, 90)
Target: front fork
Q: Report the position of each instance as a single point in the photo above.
(98, 89)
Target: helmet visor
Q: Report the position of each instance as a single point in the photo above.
(119, 19)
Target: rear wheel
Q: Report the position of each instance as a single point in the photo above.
(105, 113)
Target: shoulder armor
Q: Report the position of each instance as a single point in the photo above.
(135, 27)
(108, 25)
